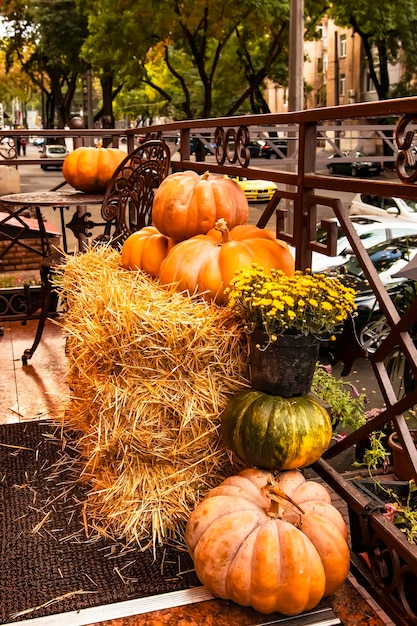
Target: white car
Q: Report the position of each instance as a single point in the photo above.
(54, 156)
(372, 229)
(367, 204)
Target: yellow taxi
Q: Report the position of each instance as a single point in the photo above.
(256, 190)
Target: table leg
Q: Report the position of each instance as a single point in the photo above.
(63, 226)
(83, 238)
(46, 250)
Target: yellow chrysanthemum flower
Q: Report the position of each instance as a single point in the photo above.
(305, 303)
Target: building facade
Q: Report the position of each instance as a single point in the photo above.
(335, 72)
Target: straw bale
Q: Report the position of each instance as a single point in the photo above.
(150, 372)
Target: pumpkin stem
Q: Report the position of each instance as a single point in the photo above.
(206, 175)
(221, 226)
(99, 143)
(276, 495)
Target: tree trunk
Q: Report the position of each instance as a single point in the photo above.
(107, 117)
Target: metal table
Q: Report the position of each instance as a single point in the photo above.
(17, 230)
(16, 204)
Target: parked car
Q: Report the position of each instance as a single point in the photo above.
(209, 148)
(355, 166)
(254, 149)
(388, 258)
(38, 141)
(54, 156)
(367, 204)
(372, 230)
(274, 149)
(256, 190)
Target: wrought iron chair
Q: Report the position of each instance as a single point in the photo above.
(126, 208)
(127, 204)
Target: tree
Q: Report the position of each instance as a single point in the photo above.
(14, 85)
(46, 44)
(218, 53)
(384, 27)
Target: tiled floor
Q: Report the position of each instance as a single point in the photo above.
(38, 391)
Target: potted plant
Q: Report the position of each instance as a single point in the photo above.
(398, 497)
(286, 317)
(398, 500)
(402, 464)
(346, 404)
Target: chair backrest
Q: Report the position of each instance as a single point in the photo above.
(127, 204)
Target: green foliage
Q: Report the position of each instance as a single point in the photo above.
(14, 84)
(387, 30)
(218, 54)
(10, 280)
(401, 511)
(212, 57)
(376, 453)
(347, 406)
(407, 515)
(45, 44)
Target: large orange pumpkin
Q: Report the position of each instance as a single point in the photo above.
(187, 204)
(145, 250)
(91, 169)
(207, 263)
(275, 544)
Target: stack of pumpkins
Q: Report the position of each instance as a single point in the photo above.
(266, 538)
(200, 236)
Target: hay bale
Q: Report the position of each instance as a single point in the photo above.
(150, 372)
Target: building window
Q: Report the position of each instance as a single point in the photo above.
(322, 30)
(342, 46)
(342, 85)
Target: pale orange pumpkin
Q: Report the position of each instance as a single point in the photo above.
(90, 169)
(187, 204)
(206, 263)
(275, 544)
(145, 250)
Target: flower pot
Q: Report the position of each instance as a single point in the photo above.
(283, 368)
(402, 464)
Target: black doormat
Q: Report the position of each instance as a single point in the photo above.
(47, 565)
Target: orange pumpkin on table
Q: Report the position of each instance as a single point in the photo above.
(206, 263)
(187, 204)
(91, 169)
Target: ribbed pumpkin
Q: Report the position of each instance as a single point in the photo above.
(145, 250)
(207, 263)
(272, 544)
(187, 204)
(90, 169)
(276, 433)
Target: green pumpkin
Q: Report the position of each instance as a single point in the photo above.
(276, 433)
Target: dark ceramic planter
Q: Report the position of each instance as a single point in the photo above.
(283, 368)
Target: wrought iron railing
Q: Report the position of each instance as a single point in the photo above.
(385, 130)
